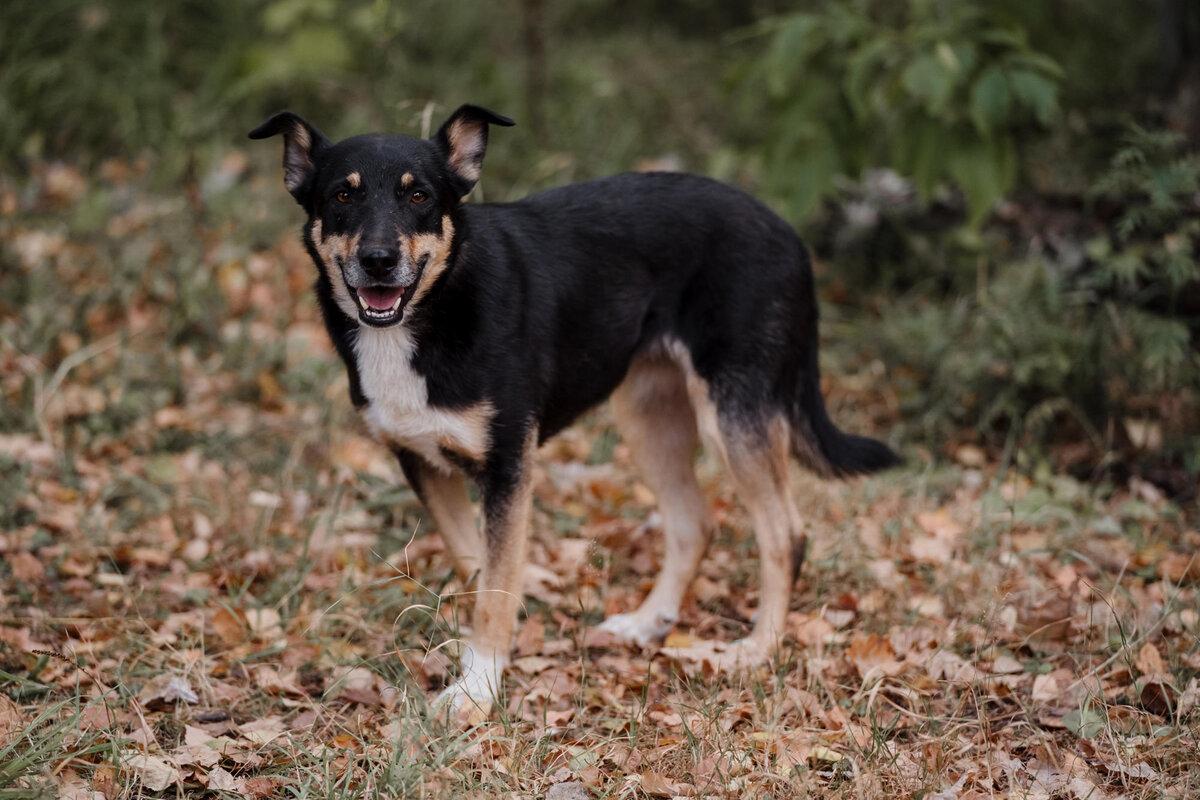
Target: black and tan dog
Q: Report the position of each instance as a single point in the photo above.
(473, 332)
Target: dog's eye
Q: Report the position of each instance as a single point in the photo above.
(418, 197)
(342, 197)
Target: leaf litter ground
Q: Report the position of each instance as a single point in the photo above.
(214, 585)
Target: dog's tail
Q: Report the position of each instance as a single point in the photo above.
(816, 441)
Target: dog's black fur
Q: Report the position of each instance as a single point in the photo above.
(534, 311)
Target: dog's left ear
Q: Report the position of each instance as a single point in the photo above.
(302, 145)
(463, 141)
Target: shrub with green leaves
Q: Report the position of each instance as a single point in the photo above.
(937, 91)
(100, 79)
(1151, 258)
(1108, 346)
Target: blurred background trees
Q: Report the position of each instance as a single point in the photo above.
(1002, 195)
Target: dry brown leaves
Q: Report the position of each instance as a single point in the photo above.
(244, 601)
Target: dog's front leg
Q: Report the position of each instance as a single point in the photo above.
(506, 489)
(447, 500)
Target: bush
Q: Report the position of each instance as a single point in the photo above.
(89, 81)
(937, 91)
(1108, 346)
(1150, 259)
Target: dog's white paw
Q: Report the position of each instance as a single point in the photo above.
(478, 686)
(638, 628)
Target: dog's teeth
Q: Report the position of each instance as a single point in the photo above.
(362, 302)
(396, 304)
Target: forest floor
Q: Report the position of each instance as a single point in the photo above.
(213, 584)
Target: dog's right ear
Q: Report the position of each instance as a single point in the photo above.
(462, 140)
(302, 145)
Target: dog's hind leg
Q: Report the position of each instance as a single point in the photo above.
(446, 498)
(757, 453)
(657, 422)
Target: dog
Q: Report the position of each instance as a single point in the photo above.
(473, 332)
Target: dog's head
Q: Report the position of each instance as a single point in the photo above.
(380, 207)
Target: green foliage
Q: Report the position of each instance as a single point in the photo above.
(184, 81)
(114, 78)
(101, 77)
(1111, 49)
(1152, 255)
(937, 91)
(1097, 344)
(1032, 352)
(993, 359)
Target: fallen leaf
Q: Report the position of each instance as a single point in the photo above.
(364, 697)
(12, 721)
(823, 753)
(259, 786)
(1156, 692)
(273, 681)
(838, 617)
(658, 785)
(1045, 689)
(262, 736)
(570, 790)
(153, 772)
(1179, 567)
(541, 583)
(262, 731)
(970, 455)
(679, 639)
(930, 550)
(1007, 665)
(945, 665)
(873, 657)
(75, 567)
(532, 665)
(200, 755)
(938, 523)
(356, 678)
(229, 625)
(707, 657)
(166, 689)
(25, 567)
(1149, 661)
(263, 499)
(196, 737)
(220, 780)
(927, 605)
(264, 623)
(1189, 699)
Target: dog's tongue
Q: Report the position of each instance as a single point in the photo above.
(381, 298)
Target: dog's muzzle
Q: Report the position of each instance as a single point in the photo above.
(382, 284)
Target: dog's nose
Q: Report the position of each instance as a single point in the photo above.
(378, 261)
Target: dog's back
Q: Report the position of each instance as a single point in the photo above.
(624, 265)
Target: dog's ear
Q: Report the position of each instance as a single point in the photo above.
(463, 141)
(302, 145)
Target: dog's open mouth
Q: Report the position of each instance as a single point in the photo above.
(380, 305)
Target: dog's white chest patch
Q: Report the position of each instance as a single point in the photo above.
(398, 410)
